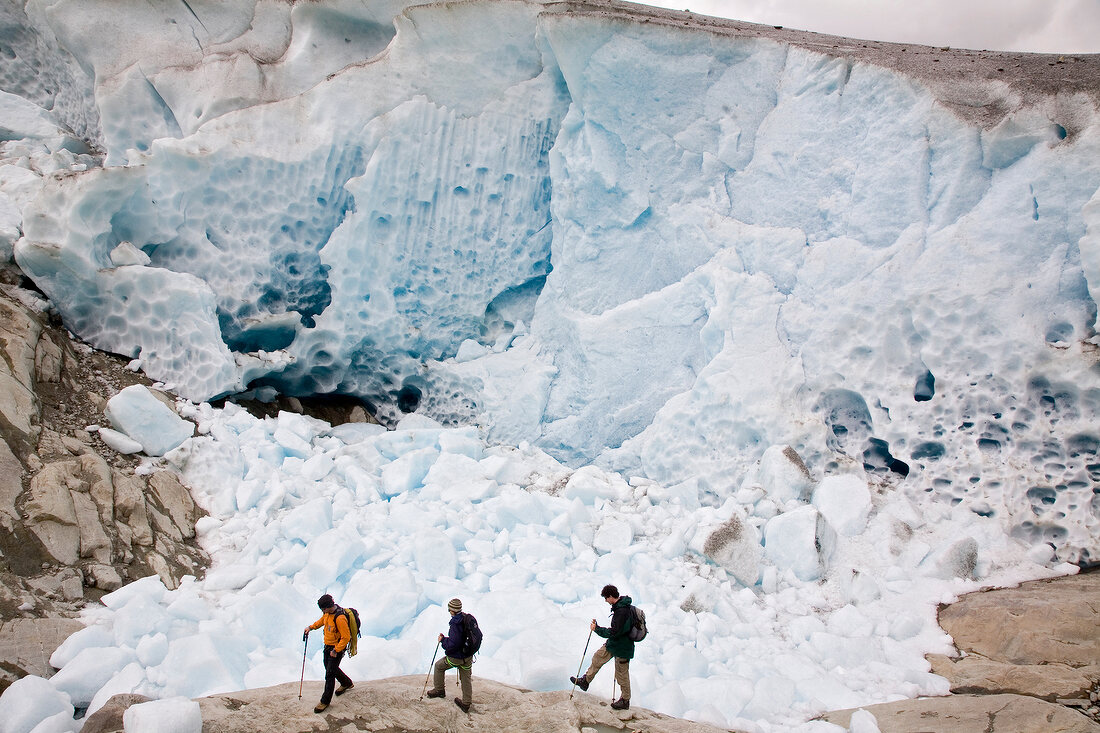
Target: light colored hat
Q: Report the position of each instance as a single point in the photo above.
(454, 605)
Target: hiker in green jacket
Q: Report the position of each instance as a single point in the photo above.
(618, 645)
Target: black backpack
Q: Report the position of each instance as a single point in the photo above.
(471, 637)
(638, 629)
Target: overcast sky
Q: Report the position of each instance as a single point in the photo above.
(1042, 26)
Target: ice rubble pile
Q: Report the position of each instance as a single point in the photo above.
(753, 625)
(581, 231)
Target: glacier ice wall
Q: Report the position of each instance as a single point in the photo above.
(590, 226)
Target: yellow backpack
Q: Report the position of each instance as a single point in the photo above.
(353, 627)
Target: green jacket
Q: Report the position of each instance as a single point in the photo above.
(622, 618)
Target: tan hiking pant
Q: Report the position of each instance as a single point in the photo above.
(622, 669)
(464, 675)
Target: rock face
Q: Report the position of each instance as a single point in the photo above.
(76, 520)
(1029, 661)
(395, 705)
(1041, 639)
(27, 643)
(973, 714)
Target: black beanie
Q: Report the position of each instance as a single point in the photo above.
(325, 601)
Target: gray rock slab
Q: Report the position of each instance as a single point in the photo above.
(972, 714)
(1056, 620)
(1050, 681)
(27, 643)
(108, 719)
(1041, 638)
(11, 485)
(385, 706)
(19, 333)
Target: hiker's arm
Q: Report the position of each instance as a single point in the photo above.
(453, 642)
(618, 622)
(315, 625)
(601, 631)
(343, 634)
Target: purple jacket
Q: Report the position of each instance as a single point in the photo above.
(452, 643)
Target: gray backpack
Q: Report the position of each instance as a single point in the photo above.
(638, 629)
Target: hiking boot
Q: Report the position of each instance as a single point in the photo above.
(344, 688)
(581, 682)
(620, 704)
(463, 706)
(320, 707)
(437, 693)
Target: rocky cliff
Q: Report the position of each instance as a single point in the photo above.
(77, 519)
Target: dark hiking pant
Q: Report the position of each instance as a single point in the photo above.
(333, 673)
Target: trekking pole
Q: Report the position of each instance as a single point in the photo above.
(585, 654)
(305, 645)
(430, 668)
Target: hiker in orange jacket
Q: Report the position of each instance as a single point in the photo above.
(337, 638)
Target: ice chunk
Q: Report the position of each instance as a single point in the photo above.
(590, 483)
(416, 421)
(331, 555)
(127, 254)
(434, 554)
(89, 670)
(24, 119)
(770, 693)
(170, 715)
(29, 701)
(849, 621)
(845, 502)
(90, 636)
(735, 545)
(138, 414)
(309, 520)
(202, 664)
(956, 560)
(613, 534)
(271, 612)
(469, 350)
(119, 442)
(863, 722)
(408, 471)
(151, 649)
(783, 474)
(59, 723)
(799, 541)
(386, 599)
(128, 680)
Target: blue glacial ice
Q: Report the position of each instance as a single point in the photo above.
(587, 231)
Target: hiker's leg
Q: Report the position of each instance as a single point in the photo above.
(437, 677)
(622, 676)
(465, 671)
(331, 665)
(341, 676)
(599, 659)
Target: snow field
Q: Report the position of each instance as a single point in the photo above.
(395, 523)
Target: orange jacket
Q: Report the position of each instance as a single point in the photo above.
(337, 633)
